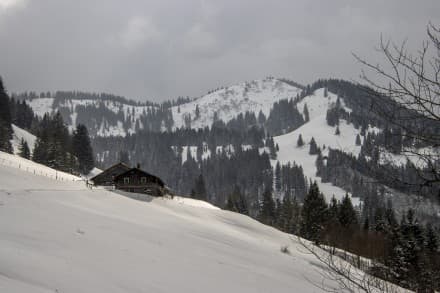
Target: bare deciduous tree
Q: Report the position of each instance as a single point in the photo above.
(344, 275)
(405, 92)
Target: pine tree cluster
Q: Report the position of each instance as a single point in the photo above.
(405, 253)
(56, 148)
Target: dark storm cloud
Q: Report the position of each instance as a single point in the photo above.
(163, 49)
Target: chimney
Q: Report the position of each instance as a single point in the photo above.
(138, 165)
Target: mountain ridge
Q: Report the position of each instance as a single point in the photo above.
(122, 116)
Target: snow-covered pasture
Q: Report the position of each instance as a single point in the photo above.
(33, 168)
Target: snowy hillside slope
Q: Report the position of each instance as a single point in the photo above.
(14, 161)
(129, 112)
(62, 237)
(18, 134)
(324, 134)
(230, 101)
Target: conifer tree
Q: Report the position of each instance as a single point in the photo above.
(82, 149)
(200, 188)
(39, 154)
(332, 226)
(261, 118)
(267, 209)
(306, 113)
(333, 210)
(337, 132)
(313, 147)
(432, 243)
(278, 177)
(295, 219)
(272, 149)
(314, 214)
(358, 140)
(347, 215)
(197, 112)
(319, 164)
(285, 214)
(24, 151)
(300, 141)
(236, 202)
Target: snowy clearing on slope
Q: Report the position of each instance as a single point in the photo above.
(41, 106)
(18, 134)
(324, 134)
(62, 237)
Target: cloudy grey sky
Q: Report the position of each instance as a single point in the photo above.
(163, 49)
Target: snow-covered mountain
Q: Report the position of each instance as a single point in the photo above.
(59, 236)
(227, 103)
(118, 117)
(317, 104)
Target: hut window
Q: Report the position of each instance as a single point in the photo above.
(143, 180)
(126, 180)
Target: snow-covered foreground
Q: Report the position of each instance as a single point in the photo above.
(62, 237)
